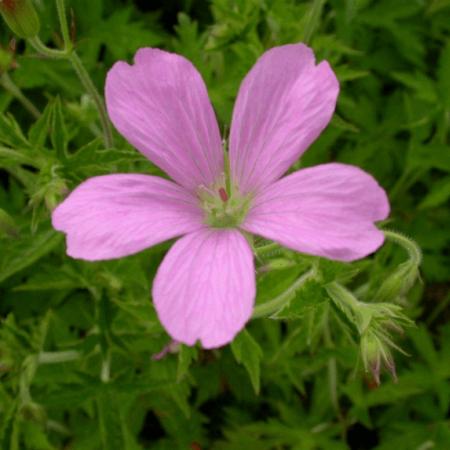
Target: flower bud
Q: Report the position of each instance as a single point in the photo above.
(376, 354)
(21, 17)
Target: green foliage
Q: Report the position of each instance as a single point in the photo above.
(77, 338)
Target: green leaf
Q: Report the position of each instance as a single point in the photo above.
(309, 296)
(59, 136)
(17, 254)
(38, 132)
(8, 227)
(434, 156)
(9, 439)
(444, 76)
(111, 422)
(439, 194)
(186, 356)
(10, 132)
(248, 352)
(92, 159)
(423, 86)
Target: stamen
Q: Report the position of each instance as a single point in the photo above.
(223, 194)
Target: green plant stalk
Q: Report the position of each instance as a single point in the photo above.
(9, 86)
(414, 252)
(61, 7)
(92, 91)
(58, 357)
(272, 306)
(71, 55)
(41, 48)
(332, 368)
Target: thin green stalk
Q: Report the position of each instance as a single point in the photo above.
(440, 307)
(70, 54)
(332, 368)
(61, 7)
(9, 86)
(41, 48)
(414, 252)
(274, 305)
(92, 91)
(58, 357)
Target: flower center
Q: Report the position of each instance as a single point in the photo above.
(224, 208)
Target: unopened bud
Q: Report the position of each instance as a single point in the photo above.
(21, 17)
(376, 354)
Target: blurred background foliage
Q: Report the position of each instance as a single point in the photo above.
(77, 338)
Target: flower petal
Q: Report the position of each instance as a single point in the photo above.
(161, 106)
(284, 103)
(205, 287)
(116, 215)
(327, 210)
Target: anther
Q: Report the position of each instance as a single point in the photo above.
(223, 194)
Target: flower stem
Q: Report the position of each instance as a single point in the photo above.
(9, 86)
(61, 7)
(41, 48)
(92, 91)
(274, 305)
(58, 357)
(414, 252)
(70, 54)
(332, 367)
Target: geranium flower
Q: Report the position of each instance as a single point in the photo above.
(205, 287)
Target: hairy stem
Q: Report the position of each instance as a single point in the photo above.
(414, 252)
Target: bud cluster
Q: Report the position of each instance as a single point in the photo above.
(375, 323)
(379, 321)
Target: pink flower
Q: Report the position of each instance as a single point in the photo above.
(205, 287)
